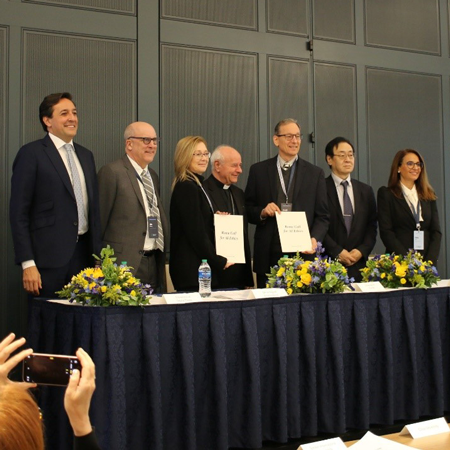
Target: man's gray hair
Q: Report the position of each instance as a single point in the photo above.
(285, 122)
(217, 154)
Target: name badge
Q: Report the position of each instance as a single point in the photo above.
(152, 227)
(286, 207)
(418, 240)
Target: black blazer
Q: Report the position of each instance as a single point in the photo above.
(43, 209)
(192, 236)
(237, 275)
(397, 225)
(310, 195)
(363, 232)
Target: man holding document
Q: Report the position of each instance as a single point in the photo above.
(284, 183)
(226, 166)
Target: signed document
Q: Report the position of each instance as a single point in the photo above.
(229, 231)
(294, 231)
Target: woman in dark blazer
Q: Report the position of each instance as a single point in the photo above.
(191, 218)
(408, 204)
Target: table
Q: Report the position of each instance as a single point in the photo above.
(214, 375)
(436, 442)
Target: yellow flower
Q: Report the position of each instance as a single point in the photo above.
(133, 293)
(103, 288)
(289, 291)
(402, 280)
(400, 271)
(306, 278)
(280, 271)
(383, 275)
(422, 268)
(98, 273)
(299, 284)
(92, 285)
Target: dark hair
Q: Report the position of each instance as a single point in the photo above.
(424, 189)
(46, 107)
(329, 149)
(284, 122)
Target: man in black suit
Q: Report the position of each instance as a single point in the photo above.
(226, 166)
(353, 213)
(289, 182)
(54, 210)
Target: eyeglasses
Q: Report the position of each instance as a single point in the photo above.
(344, 155)
(289, 137)
(202, 155)
(411, 164)
(147, 140)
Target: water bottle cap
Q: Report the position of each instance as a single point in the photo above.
(123, 263)
(204, 260)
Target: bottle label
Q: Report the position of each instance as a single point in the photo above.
(204, 275)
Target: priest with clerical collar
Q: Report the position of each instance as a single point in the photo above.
(226, 166)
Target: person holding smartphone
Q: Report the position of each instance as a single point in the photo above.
(20, 415)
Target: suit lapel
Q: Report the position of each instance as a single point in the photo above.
(403, 204)
(55, 158)
(132, 176)
(272, 175)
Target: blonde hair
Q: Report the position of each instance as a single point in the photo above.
(20, 421)
(184, 152)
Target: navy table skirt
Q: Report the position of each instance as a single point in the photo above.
(215, 375)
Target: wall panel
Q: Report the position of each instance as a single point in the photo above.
(100, 74)
(404, 24)
(234, 13)
(115, 6)
(291, 18)
(288, 96)
(335, 20)
(208, 93)
(335, 107)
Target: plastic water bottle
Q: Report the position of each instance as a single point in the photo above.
(204, 279)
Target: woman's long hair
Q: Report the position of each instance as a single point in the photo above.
(424, 189)
(20, 420)
(184, 152)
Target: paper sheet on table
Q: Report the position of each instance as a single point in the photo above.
(294, 231)
(371, 441)
(229, 230)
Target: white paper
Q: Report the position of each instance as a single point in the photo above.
(269, 292)
(328, 444)
(191, 297)
(426, 428)
(442, 283)
(370, 286)
(371, 441)
(229, 230)
(294, 232)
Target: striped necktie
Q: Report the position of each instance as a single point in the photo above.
(154, 210)
(348, 209)
(76, 183)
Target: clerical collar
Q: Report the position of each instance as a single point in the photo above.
(220, 184)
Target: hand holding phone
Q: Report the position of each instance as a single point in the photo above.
(47, 369)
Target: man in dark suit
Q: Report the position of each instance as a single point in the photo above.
(226, 166)
(353, 213)
(54, 212)
(133, 220)
(289, 182)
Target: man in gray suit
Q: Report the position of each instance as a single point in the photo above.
(133, 220)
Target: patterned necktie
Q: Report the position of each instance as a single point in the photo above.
(348, 209)
(76, 183)
(154, 210)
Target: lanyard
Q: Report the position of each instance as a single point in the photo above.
(415, 210)
(207, 198)
(291, 176)
(150, 201)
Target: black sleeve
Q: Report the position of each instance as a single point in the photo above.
(87, 442)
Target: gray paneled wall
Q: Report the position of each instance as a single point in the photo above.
(235, 13)
(118, 6)
(208, 93)
(335, 107)
(290, 17)
(99, 73)
(334, 20)
(404, 24)
(288, 96)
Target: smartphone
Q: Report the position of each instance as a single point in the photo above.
(52, 370)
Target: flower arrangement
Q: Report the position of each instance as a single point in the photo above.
(107, 284)
(394, 271)
(297, 275)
